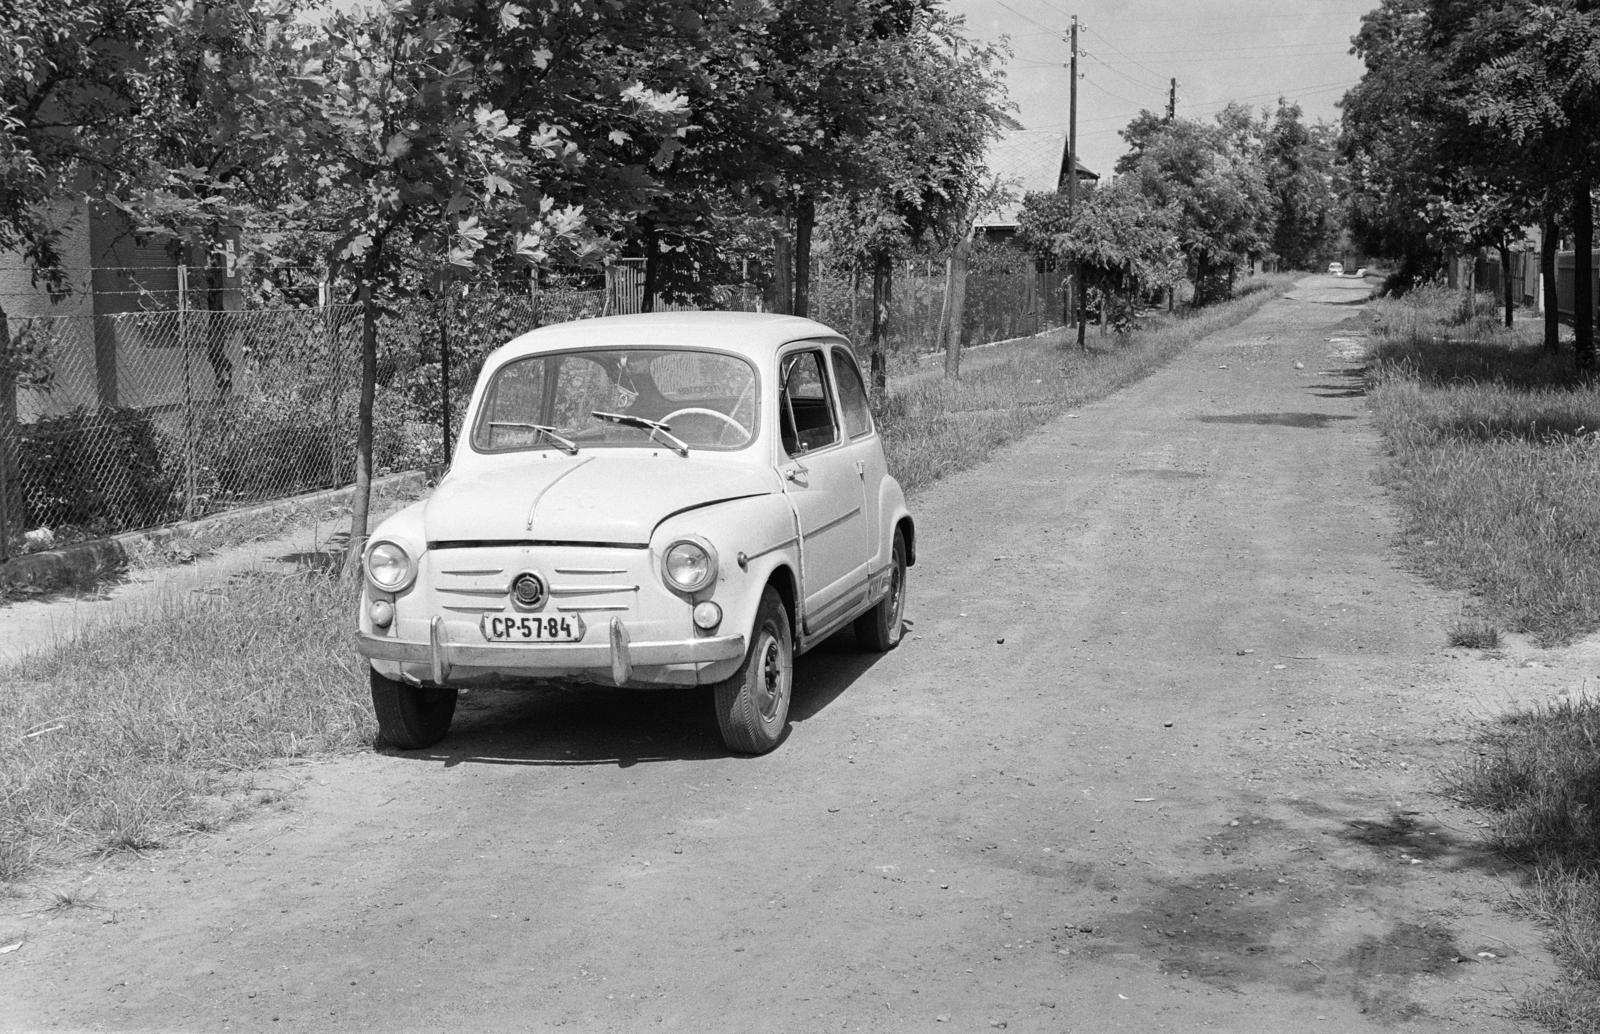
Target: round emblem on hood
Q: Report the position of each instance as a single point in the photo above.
(528, 590)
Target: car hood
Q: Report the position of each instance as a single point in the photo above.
(594, 497)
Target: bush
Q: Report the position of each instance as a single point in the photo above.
(98, 471)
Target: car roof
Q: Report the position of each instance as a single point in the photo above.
(750, 333)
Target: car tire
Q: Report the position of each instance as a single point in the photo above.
(753, 703)
(410, 717)
(881, 628)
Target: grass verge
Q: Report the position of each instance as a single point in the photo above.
(1495, 462)
(1538, 772)
(133, 735)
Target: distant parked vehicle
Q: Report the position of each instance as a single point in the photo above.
(1336, 269)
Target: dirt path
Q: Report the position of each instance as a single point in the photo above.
(1159, 756)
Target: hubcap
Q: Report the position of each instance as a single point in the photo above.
(772, 686)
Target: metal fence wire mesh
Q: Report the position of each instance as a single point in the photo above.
(137, 419)
(117, 422)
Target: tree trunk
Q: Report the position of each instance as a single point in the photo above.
(216, 334)
(12, 518)
(805, 216)
(1549, 240)
(1583, 275)
(1082, 297)
(652, 271)
(361, 495)
(882, 284)
(444, 376)
(1505, 280)
(955, 305)
(780, 295)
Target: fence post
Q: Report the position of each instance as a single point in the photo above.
(190, 485)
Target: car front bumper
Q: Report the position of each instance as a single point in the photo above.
(617, 662)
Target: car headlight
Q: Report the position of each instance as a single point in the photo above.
(389, 567)
(689, 564)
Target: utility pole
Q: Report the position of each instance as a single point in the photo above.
(1172, 101)
(1079, 295)
(1072, 125)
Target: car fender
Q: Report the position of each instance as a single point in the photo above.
(893, 513)
(756, 542)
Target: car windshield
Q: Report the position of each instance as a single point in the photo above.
(679, 398)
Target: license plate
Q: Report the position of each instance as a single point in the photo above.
(532, 628)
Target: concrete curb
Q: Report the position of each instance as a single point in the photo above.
(83, 562)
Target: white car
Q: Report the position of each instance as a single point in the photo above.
(643, 501)
(1336, 269)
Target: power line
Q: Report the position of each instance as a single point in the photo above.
(1115, 70)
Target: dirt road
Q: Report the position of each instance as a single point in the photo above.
(1159, 756)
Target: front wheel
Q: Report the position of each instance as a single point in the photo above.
(881, 628)
(753, 702)
(410, 717)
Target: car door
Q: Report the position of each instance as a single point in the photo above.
(862, 444)
(824, 487)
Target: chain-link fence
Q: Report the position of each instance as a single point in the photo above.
(118, 422)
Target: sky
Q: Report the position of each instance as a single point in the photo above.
(1252, 51)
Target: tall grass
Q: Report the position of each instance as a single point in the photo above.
(1539, 772)
(1494, 457)
(131, 735)
(1495, 460)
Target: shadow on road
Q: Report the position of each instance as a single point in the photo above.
(596, 725)
(1310, 421)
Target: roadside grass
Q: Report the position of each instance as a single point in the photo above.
(1494, 457)
(1495, 461)
(131, 736)
(1538, 772)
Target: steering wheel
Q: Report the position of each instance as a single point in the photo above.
(702, 411)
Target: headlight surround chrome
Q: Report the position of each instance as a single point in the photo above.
(389, 567)
(689, 564)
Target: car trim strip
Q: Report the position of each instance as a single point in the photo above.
(494, 543)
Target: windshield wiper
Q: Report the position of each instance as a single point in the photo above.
(659, 431)
(566, 445)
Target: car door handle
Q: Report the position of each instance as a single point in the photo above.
(796, 473)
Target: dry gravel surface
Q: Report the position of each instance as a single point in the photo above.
(1160, 754)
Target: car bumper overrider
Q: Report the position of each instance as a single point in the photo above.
(618, 661)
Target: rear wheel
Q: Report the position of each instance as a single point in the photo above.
(753, 703)
(881, 627)
(410, 717)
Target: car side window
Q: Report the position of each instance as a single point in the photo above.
(806, 409)
(852, 394)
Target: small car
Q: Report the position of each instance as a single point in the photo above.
(675, 499)
(1336, 269)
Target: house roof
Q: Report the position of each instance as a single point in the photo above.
(1028, 161)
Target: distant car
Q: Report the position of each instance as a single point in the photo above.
(643, 501)
(1336, 269)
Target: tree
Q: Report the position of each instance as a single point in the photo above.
(1299, 169)
(69, 79)
(1532, 73)
(1398, 136)
(922, 168)
(205, 136)
(1212, 176)
(1124, 244)
(396, 141)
